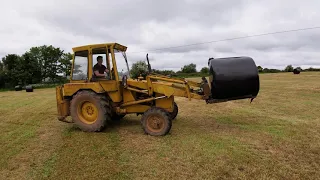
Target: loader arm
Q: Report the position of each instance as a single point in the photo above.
(173, 87)
(166, 86)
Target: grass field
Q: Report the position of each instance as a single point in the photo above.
(275, 137)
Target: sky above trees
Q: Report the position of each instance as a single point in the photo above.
(144, 25)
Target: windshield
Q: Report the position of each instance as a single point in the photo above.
(122, 63)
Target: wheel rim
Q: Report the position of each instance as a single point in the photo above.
(155, 123)
(87, 112)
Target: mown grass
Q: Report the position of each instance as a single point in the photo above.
(275, 137)
(34, 86)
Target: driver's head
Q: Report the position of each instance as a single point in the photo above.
(99, 59)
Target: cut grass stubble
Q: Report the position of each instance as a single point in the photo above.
(275, 137)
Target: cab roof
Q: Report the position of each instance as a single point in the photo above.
(115, 45)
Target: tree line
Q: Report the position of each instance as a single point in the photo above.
(37, 65)
(49, 64)
(288, 68)
(141, 68)
(190, 70)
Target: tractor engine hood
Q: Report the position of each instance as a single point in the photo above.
(233, 78)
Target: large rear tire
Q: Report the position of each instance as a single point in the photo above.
(174, 114)
(90, 111)
(156, 122)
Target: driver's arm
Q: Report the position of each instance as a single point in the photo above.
(98, 74)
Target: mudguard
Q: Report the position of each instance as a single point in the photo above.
(62, 104)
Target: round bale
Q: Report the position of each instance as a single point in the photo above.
(29, 88)
(296, 71)
(18, 88)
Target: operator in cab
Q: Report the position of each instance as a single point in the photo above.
(99, 69)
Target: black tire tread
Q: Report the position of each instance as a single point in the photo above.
(103, 105)
(174, 114)
(163, 113)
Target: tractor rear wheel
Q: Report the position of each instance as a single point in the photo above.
(90, 111)
(174, 114)
(156, 122)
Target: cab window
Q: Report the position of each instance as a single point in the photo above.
(80, 67)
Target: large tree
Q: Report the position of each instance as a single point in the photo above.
(48, 60)
(14, 69)
(1, 66)
(65, 64)
(289, 68)
(37, 64)
(2, 75)
(190, 68)
(31, 71)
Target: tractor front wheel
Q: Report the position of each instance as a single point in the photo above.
(90, 111)
(156, 122)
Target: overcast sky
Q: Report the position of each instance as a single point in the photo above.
(144, 25)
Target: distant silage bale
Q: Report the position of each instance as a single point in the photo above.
(29, 88)
(18, 88)
(296, 71)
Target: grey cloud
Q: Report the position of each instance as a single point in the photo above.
(290, 42)
(148, 25)
(122, 20)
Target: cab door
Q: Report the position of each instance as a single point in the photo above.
(110, 82)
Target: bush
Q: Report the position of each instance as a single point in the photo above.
(138, 68)
(191, 68)
(204, 70)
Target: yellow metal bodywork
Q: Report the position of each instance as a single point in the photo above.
(136, 97)
(136, 108)
(62, 104)
(93, 46)
(71, 88)
(165, 103)
(127, 96)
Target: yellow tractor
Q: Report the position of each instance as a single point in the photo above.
(92, 101)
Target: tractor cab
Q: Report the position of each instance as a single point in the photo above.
(85, 58)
